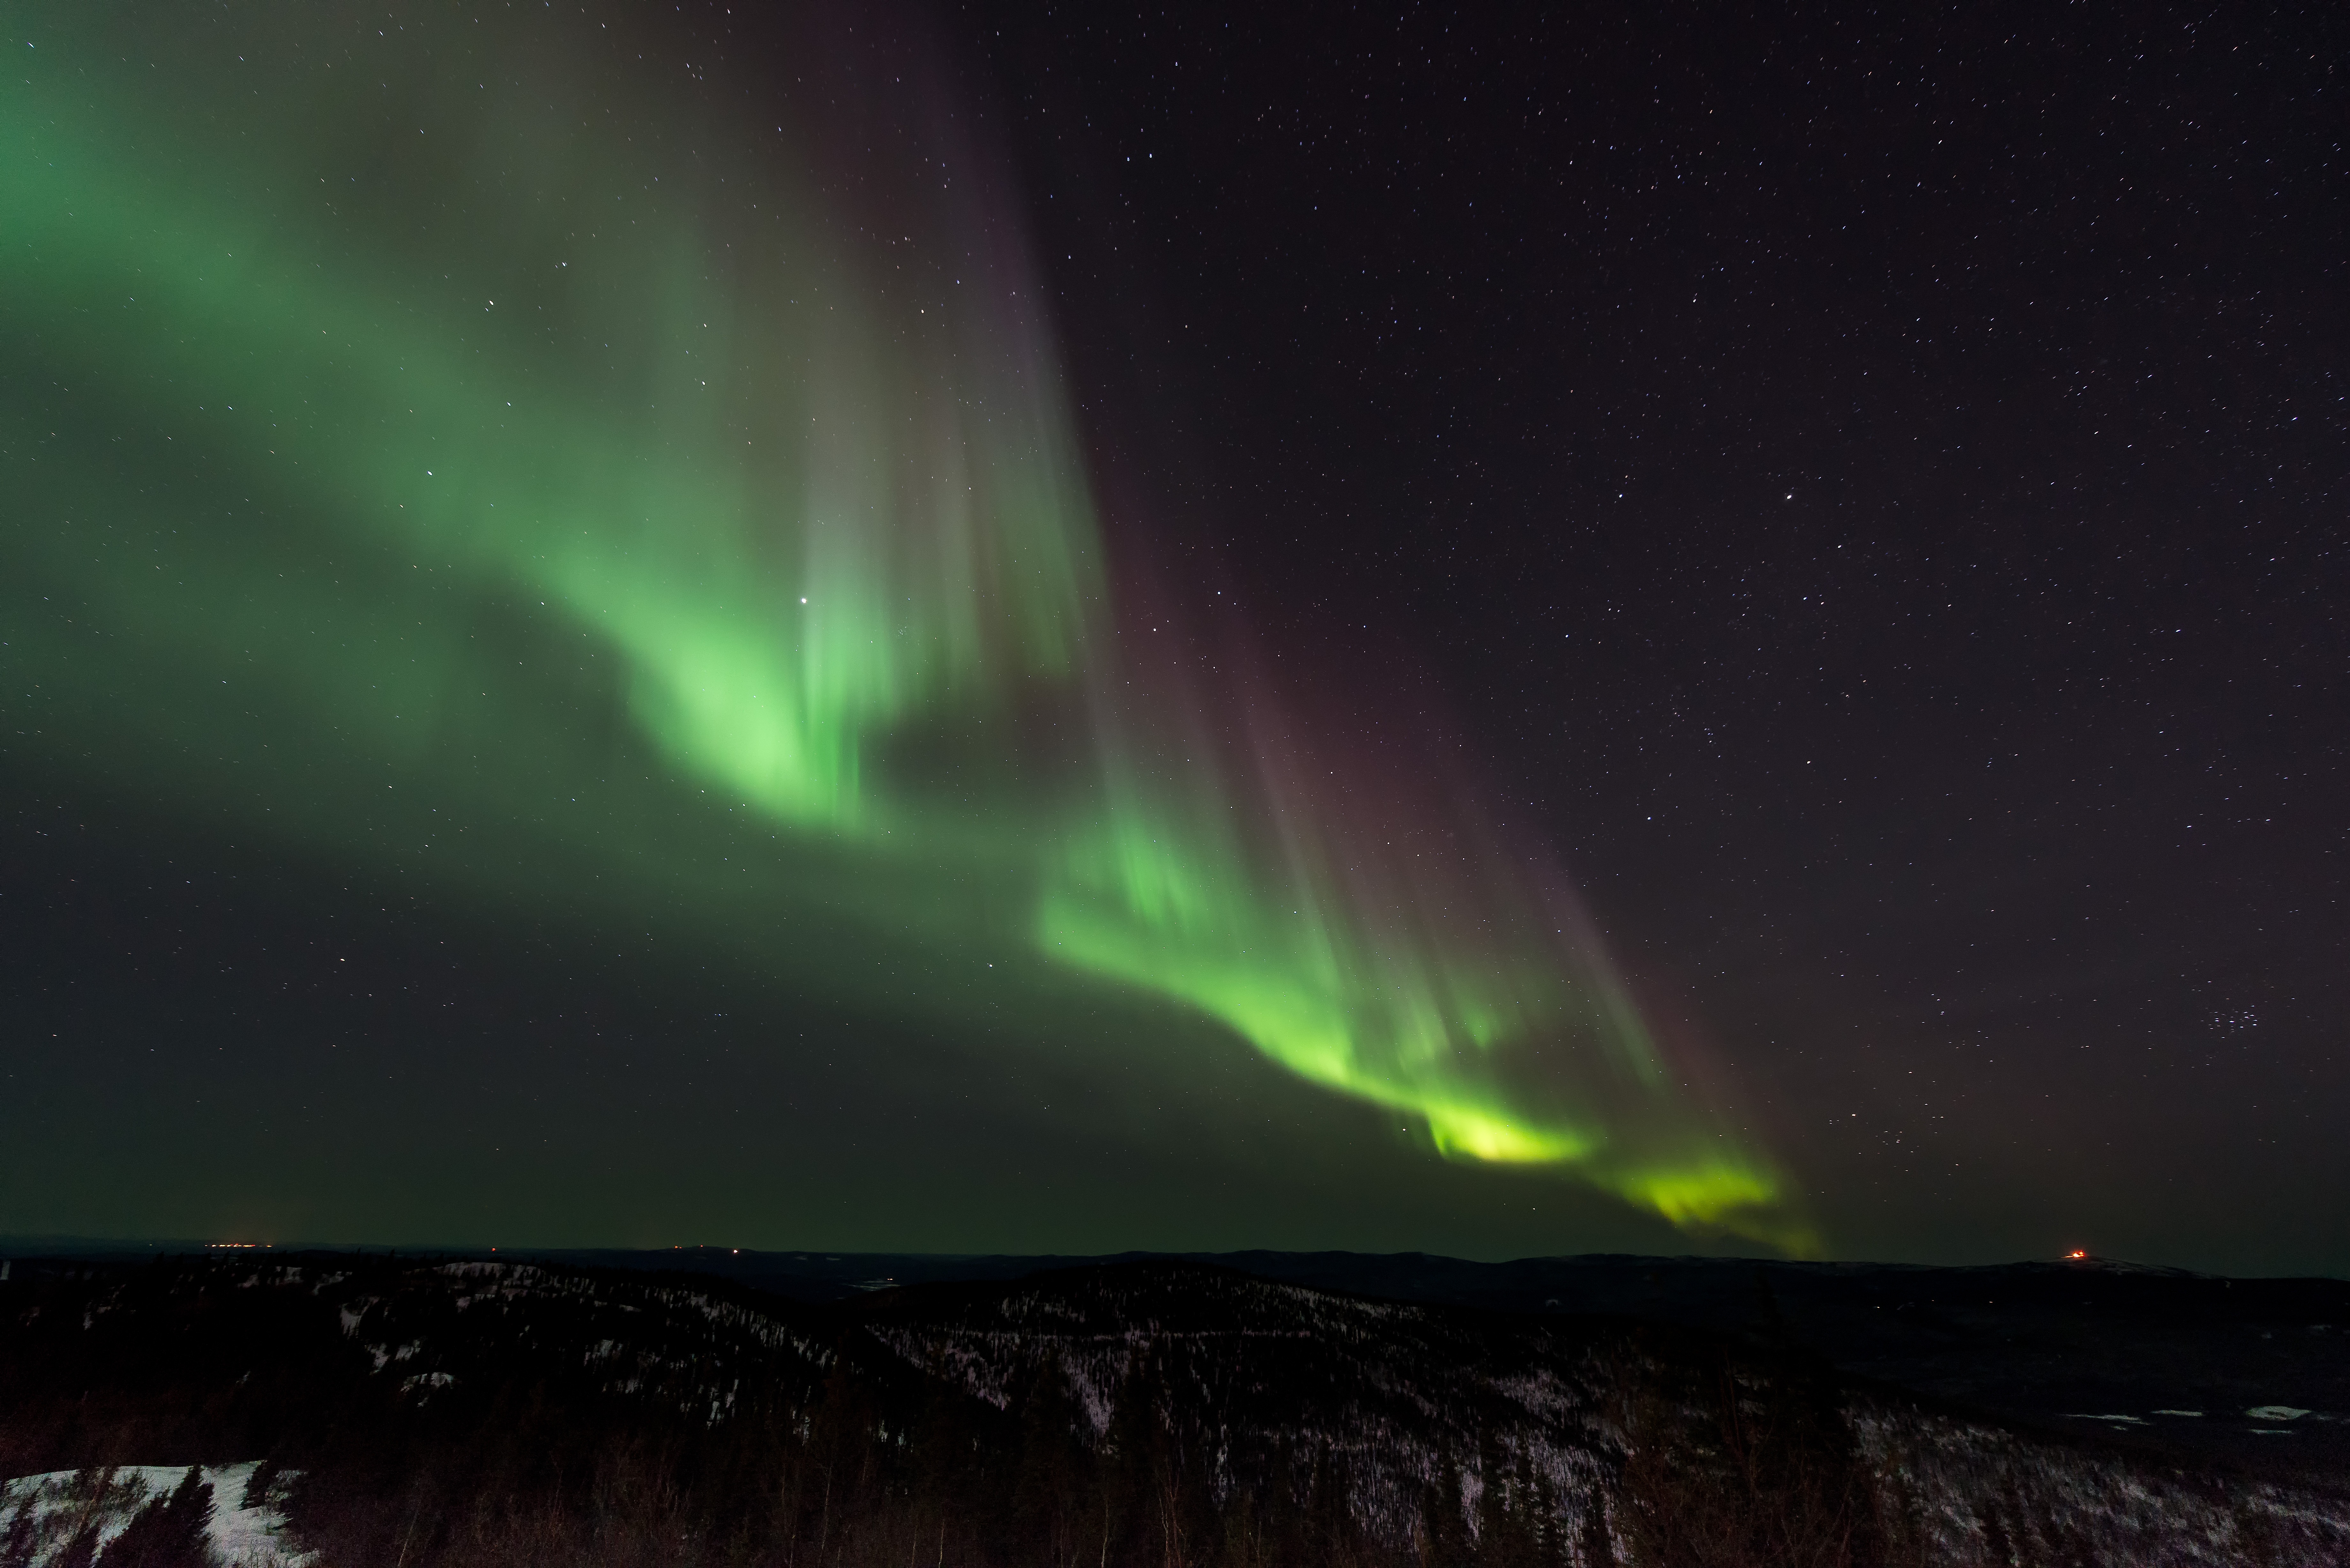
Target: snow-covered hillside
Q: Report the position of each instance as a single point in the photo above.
(45, 1517)
(534, 1413)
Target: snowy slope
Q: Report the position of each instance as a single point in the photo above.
(1254, 1388)
(59, 1505)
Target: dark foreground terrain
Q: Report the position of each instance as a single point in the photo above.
(824, 1410)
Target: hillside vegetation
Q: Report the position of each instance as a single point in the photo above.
(1147, 1415)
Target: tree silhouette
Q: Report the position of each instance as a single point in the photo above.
(169, 1532)
(1445, 1524)
(24, 1532)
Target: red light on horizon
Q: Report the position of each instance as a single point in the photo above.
(2079, 1252)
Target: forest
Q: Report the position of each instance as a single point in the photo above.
(414, 1412)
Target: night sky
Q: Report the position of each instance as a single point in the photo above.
(1013, 629)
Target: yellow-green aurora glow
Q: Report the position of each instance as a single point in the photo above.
(385, 397)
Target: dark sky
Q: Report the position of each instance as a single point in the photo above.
(1865, 488)
(1874, 485)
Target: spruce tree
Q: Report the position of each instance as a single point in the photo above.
(80, 1550)
(88, 1490)
(24, 1531)
(1491, 1502)
(1049, 1474)
(258, 1484)
(1549, 1529)
(1330, 1508)
(169, 1532)
(1129, 1523)
(1447, 1521)
(1597, 1546)
(1284, 1518)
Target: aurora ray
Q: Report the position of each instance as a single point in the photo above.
(767, 441)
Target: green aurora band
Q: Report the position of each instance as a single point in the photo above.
(369, 377)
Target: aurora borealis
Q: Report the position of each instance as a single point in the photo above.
(375, 398)
(993, 628)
